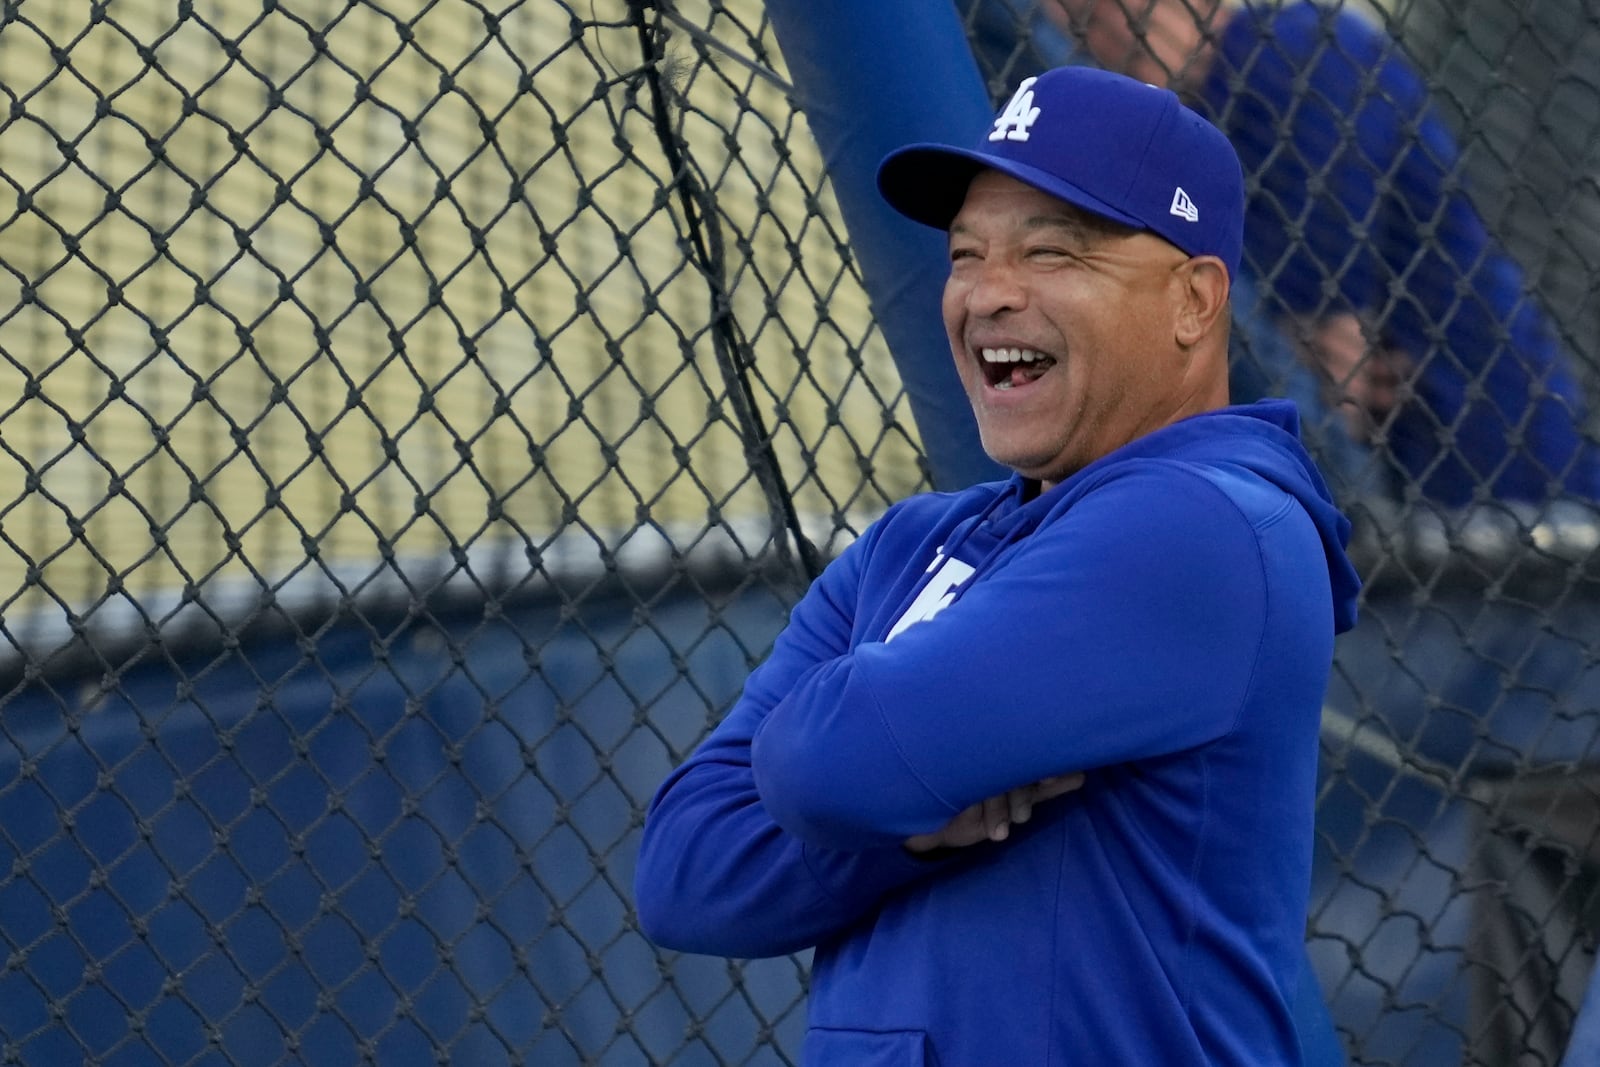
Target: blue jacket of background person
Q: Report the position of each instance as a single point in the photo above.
(1357, 206)
(1162, 620)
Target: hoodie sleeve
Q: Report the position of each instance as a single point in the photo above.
(716, 874)
(1128, 628)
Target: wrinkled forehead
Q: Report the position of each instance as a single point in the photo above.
(1039, 208)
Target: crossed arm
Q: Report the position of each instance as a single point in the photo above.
(806, 806)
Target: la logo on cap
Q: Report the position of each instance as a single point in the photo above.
(1019, 116)
(1183, 207)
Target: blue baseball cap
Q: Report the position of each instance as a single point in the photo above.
(1109, 144)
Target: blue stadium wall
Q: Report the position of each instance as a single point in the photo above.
(399, 843)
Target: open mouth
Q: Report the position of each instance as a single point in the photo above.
(1009, 368)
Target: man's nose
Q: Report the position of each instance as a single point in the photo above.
(997, 288)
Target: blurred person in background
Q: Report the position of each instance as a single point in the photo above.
(1364, 251)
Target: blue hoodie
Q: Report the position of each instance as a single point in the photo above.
(1163, 621)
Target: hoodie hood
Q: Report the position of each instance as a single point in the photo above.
(1264, 439)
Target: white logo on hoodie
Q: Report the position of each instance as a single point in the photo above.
(935, 596)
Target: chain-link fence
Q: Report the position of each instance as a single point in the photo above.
(418, 416)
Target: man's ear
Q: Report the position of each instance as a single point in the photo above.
(1204, 293)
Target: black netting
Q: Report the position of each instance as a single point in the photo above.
(418, 417)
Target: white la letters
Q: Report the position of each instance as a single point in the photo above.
(1019, 116)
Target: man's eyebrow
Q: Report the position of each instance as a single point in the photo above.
(1074, 225)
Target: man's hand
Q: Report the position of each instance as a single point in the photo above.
(992, 819)
(1362, 380)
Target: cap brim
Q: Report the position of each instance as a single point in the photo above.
(927, 183)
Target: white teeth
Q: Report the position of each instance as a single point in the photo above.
(1010, 355)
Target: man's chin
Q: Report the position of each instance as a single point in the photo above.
(1025, 464)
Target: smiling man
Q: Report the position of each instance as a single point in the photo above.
(1032, 765)
(1035, 286)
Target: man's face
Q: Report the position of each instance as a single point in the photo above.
(1062, 328)
(1155, 41)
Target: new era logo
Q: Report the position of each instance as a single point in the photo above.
(1183, 207)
